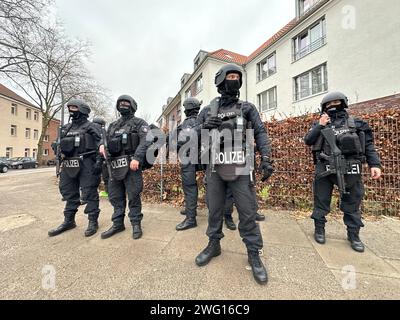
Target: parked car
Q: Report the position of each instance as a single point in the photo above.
(5, 160)
(24, 163)
(3, 167)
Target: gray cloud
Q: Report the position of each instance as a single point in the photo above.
(144, 47)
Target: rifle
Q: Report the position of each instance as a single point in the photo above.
(106, 151)
(337, 162)
(250, 153)
(215, 135)
(59, 157)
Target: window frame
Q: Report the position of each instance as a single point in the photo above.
(297, 96)
(28, 130)
(9, 150)
(261, 75)
(14, 109)
(310, 47)
(15, 129)
(269, 106)
(28, 114)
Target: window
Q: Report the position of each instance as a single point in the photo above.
(306, 5)
(27, 153)
(199, 84)
(27, 133)
(9, 152)
(34, 153)
(14, 109)
(36, 116)
(46, 138)
(29, 114)
(188, 93)
(267, 67)
(36, 134)
(309, 40)
(46, 152)
(267, 100)
(310, 83)
(13, 130)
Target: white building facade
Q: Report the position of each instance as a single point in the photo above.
(351, 46)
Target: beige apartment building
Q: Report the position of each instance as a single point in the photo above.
(20, 126)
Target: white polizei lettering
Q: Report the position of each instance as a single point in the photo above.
(233, 157)
(72, 163)
(119, 163)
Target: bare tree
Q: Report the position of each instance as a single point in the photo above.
(22, 10)
(146, 116)
(42, 61)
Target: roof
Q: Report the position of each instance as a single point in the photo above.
(4, 91)
(228, 56)
(286, 29)
(280, 34)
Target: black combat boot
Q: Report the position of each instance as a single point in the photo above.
(68, 224)
(319, 234)
(213, 250)
(188, 223)
(92, 227)
(137, 230)
(116, 228)
(229, 223)
(259, 271)
(260, 217)
(356, 243)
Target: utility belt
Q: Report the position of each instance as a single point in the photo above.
(72, 165)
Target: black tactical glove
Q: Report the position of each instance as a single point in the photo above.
(266, 168)
(212, 123)
(98, 167)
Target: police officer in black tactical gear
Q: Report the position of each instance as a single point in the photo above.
(355, 139)
(81, 168)
(236, 116)
(189, 169)
(127, 147)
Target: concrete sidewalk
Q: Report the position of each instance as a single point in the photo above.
(161, 265)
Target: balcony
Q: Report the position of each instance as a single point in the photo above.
(309, 49)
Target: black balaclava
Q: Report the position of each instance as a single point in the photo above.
(192, 113)
(126, 111)
(336, 111)
(230, 92)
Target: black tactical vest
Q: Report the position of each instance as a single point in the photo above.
(123, 140)
(351, 143)
(77, 141)
(231, 158)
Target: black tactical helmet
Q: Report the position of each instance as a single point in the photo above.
(129, 99)
(83, 107)
(225, 70)
(191, 104)
(99, 121)
(333, 96)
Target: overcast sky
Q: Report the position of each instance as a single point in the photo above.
(143, 48)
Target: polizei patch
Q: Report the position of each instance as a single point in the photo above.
(72, 163)
(233, 157)
(119, 163)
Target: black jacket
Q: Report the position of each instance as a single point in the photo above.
(371, 154)
(143, 130)
(250, 113)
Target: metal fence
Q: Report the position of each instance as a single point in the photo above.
(291, 185)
